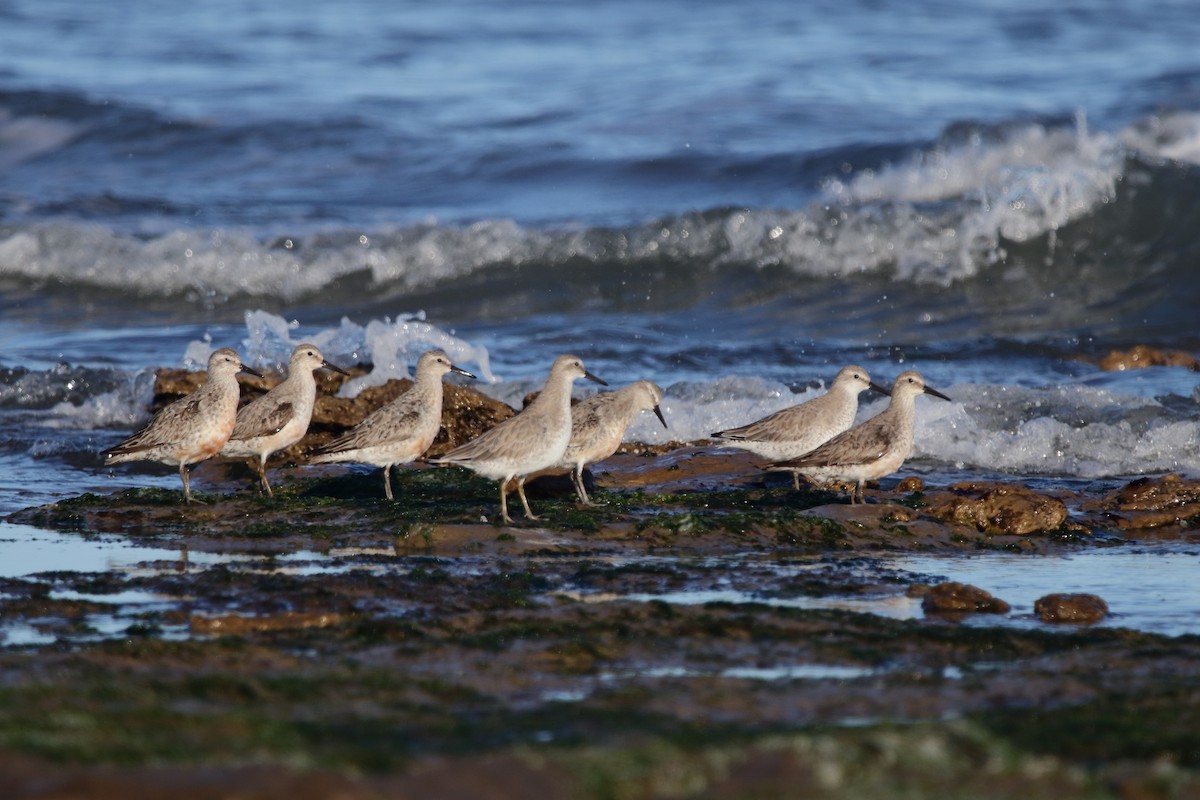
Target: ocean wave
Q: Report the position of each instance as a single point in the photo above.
(1092, 425)
(1033, 196)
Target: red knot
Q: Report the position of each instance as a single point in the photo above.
(399, 431)
(192, 428)
(871, 450)
(279, 418)
(533, 440)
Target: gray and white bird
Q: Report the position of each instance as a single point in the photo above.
(791, 432)
(598, 425)
(399, 431)
(873, 449)
(193, 428)
(279, 418)
(529, 442)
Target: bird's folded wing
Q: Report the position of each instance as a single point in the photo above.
(262, 420)
(862, 445)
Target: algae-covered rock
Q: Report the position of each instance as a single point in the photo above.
(1153, 502)
(1080, 608)
(998, 508)
(961, 598)
(466, 412)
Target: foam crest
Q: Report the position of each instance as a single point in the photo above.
(125, 407)
(1071, 430)
(1063, 430)
(64, 383)
(390, 346)
(394, 345)
(944, 213)
(694, 409)
(1173, 136)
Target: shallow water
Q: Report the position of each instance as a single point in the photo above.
(1150, 588)
(994, 194)
(1147, 588)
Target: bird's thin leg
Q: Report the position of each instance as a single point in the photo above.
(579, 487)
(183, 475)
(504, 501)
(262, 476)
(521, 491)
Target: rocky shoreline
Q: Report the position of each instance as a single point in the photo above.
(361, 648)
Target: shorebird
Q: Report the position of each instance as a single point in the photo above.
(279, 418)
(794, 431)
(192, 428)
(598, 425)
(533, 440)
(400, 431)
(873, 449)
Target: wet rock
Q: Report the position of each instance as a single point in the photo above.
(910, 484)
(1082, 609)
(241, 624)
(998, 508)
(1142, 356)
(466, 412)
(961, 598)
(1154, 502)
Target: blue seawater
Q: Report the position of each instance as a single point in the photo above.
(732, 199)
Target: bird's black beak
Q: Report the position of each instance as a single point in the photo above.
(249, 371)
(334, 367)
(461, 371)
(658, 413)
(880, 389)
(592, 377)
(936, 393)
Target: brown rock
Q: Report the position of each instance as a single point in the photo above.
(1154, 502)
(998, 508)
(910, 484)
(466, 412)
(1142, 356)
(241, 624)
(960, 598)
(1155, 494)
(1082, 609)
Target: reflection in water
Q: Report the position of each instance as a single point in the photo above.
(1147, 588)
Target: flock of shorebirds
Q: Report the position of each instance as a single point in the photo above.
(814, 439)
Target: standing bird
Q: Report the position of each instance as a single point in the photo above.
(192, 428)
(533, 440)
(873, 449)
(794, 431)
(598, 425)
(279, 418)
(400, 431)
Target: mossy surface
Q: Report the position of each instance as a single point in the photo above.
(355, 647)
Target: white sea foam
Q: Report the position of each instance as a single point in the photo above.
(1028, 183)
(1174, 136)
(124, 407)
(1069, 430)
(939, 216)
(390, 346)
(1117, 428)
